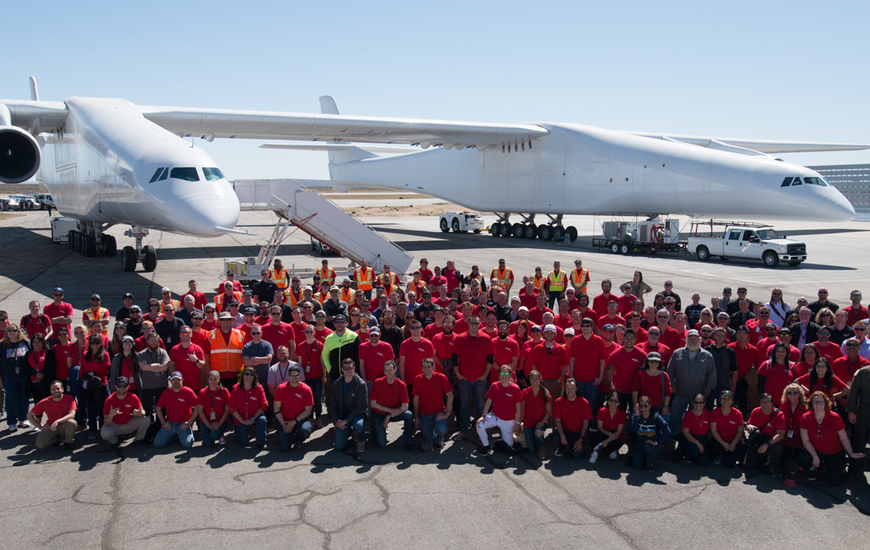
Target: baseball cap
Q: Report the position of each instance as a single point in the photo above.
(374, 330)
(654, 356)
(340, 318)
(609, 327)
(129, 295)
(523, 308)
(249, 311)
(693, 332)
(95, 297)
(174, 375)
(58, 289)
(233, 303)
(128, 339)
(535, 327)
(122, 380)
(569, 331)
(550, 328)
(134, 307)
(294, 368)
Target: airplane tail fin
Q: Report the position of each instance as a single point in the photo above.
(344, 154)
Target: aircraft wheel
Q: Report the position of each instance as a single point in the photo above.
(89, 246)
(559, 233)
(71, 240)
(495, 229)
(150, 261)
(518, 231)
(531, 231)
(128, 259)
(110, 246)
(505, 230)
(572, 233)
(545, 232)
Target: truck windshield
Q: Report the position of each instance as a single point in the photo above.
(767, 234)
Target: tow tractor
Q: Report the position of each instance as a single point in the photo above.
(648, 236)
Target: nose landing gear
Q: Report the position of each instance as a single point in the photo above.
(146, 254)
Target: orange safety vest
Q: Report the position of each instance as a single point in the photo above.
(219, 300)
(503, 277)
(293, 297)
(98, 316)
(321, 297)
(539, 283)
(328, 275)
(280, 278)
(579, 280)
(175, 303)
(347, 295)
(226, 357)
(390, 282)
(557, 282)
(364, 279)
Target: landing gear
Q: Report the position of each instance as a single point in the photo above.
(90, 240)
(146, 254)
(527, 229)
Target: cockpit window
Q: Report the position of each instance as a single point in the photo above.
(816, 181)
(797, 181)
(159, 175)
(164, 175)
(186, 174)
(212, 174)
(786, 182)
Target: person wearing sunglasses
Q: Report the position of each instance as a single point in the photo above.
(694, 435)
(248, 406)
(650, 433)
(794, 406)
(826, 444)
(123, 414)
(726, 429)
(845, 367)
(348, 406)
(855, 311)
(59, 313)
(14, 370)
(293, 404)
(503, 410)
(766, 429)
(95, 312)
(840, 330)
(610, 436)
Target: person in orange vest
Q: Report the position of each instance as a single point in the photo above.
(579, 277)
(346, 293)
(225, 350)
(389, 280)
(231, 277)
(293, 295)
(96, 313)
(365, 278)
(326, 273)
(557, 282)
(504, 275)
(322, 295)
(222, 300)
(539, 280)
(279, 273)
(167, 300)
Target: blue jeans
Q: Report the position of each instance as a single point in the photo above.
(644, 454)
(693, 453)
(92, 403)
(316, 385)
(572, 438)
(243, 431)
(164, 436)
(433, 430)
(467, 390)
(534, 442)
(72, 383)
(301, 432)
(679, 406)
(588, 391)
(16, 401)
(380, 432)
(210, 437)
(341, 435)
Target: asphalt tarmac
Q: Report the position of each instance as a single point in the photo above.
(224, 497)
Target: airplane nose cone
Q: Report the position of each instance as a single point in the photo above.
(840, 207)
(216, 211)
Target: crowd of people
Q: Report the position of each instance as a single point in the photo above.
(757, 383)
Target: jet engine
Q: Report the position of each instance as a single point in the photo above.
(19, 155)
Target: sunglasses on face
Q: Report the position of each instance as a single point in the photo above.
(792, 393)
(613, 400)
(247, 374)
(698, 402)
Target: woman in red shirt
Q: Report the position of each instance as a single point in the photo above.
(126, 364)
(654, 383)
(809, 356)
(94, 371)
(42, 368)
(777, 372)
(825, 441)
(308, 357)
(726, 427)
(248, 405)
(537, 408)
(695, 432)
(610, 436)
(822, 379)
(794, 405)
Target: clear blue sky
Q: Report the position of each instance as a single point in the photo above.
(766, 70)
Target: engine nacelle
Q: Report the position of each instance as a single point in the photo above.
(19, 155)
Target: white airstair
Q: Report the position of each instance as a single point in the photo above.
(324, 221)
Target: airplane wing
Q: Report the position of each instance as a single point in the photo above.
(751, 146)
(211, 123)
(37, 116)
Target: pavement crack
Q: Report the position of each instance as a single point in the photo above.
(107, 535)
(220, 529)
(65, 533)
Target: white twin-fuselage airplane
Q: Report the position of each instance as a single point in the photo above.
(109, 162)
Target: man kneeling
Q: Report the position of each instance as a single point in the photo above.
(294, 402)
(60, 410)
(123, 414)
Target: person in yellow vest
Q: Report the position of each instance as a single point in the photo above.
(167, 300)
(326, 273)
(293, 294)
(222, 300)
(475, 275)
(389, 280)
(579, 277)
(225, 354)
(504, 275)
(346, 294)
(280, 276)
(539, 280)
(557, 282)
(96, 313)
(365, 278)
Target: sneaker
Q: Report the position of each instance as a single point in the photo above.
(426, 447)
(92, 435)
(361, 446)
(13, 427)
(811, 474)
(484, 451)
(35, 429)
(439, 444)
(776, 472)
(542, 453)
(24, 424)
(614, 455)
(717, 461)
(594, 457)
(222, 441)
(261, 446)
(560, 451)
(459, 436)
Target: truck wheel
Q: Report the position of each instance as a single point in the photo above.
(456, 225)
(624, 249)
(771, 259)
(703, 253)
(444, 226)
(795, 263)
(614, 248)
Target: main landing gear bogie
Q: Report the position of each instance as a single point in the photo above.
(91, 245)
(527, 229)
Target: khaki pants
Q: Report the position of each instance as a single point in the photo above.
(47, 437)
(138, 424)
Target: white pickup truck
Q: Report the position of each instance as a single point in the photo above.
(759, 243)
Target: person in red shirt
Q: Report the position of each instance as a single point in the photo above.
(188, 359)
(506, 351)
(372, 357)
(411, 354)
(529, 295)
(430, 391)
(776, 373)
(563, 318)
(60, 412)
(766, 430)
(278, 333)
(389, 403)
(695, 432)
(587, 360)
(124, 414)
(654, 383)
(826, 349)
(726, 427)
(599, 304)
(94, 374)
(66, 355)
(36, 323)
(248, 406)
(610, 436)
(505, 400)
(634, 323)
(536, 314)
(308, 355)
(627, 300)
(622, 365)
(294, 402)
(472, 363)
(434, 328)
(794, 405)
(826, 444)
(572, 414)
(444, 344)
(855, 312)
(180, 404)
(551, 360)
(821, 378)
(537, 409)
(213, 410)
(59, 313)
(845, 367)
(142, 341)
(199, 298)
(747, 359)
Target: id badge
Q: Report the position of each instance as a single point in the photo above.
(17, 370)
(212, 415)
(307, 369)
(791, 434)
